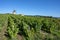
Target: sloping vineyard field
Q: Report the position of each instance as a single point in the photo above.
(30, 27)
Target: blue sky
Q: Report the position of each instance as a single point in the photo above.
(31, 7)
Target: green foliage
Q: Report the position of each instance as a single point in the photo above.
(12, 29)
(3, 19)
(31, 27)
(55, 29)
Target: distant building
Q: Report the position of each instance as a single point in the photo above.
(14, 12)
(22, 14)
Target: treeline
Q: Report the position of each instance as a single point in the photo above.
(32, 27)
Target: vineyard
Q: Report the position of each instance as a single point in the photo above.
(17, 27)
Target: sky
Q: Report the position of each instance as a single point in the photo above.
(31, 7)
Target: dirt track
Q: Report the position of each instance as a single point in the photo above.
(3, 30)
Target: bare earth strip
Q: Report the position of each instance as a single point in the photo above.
(2, 36)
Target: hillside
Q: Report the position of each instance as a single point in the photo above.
(17, 27)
